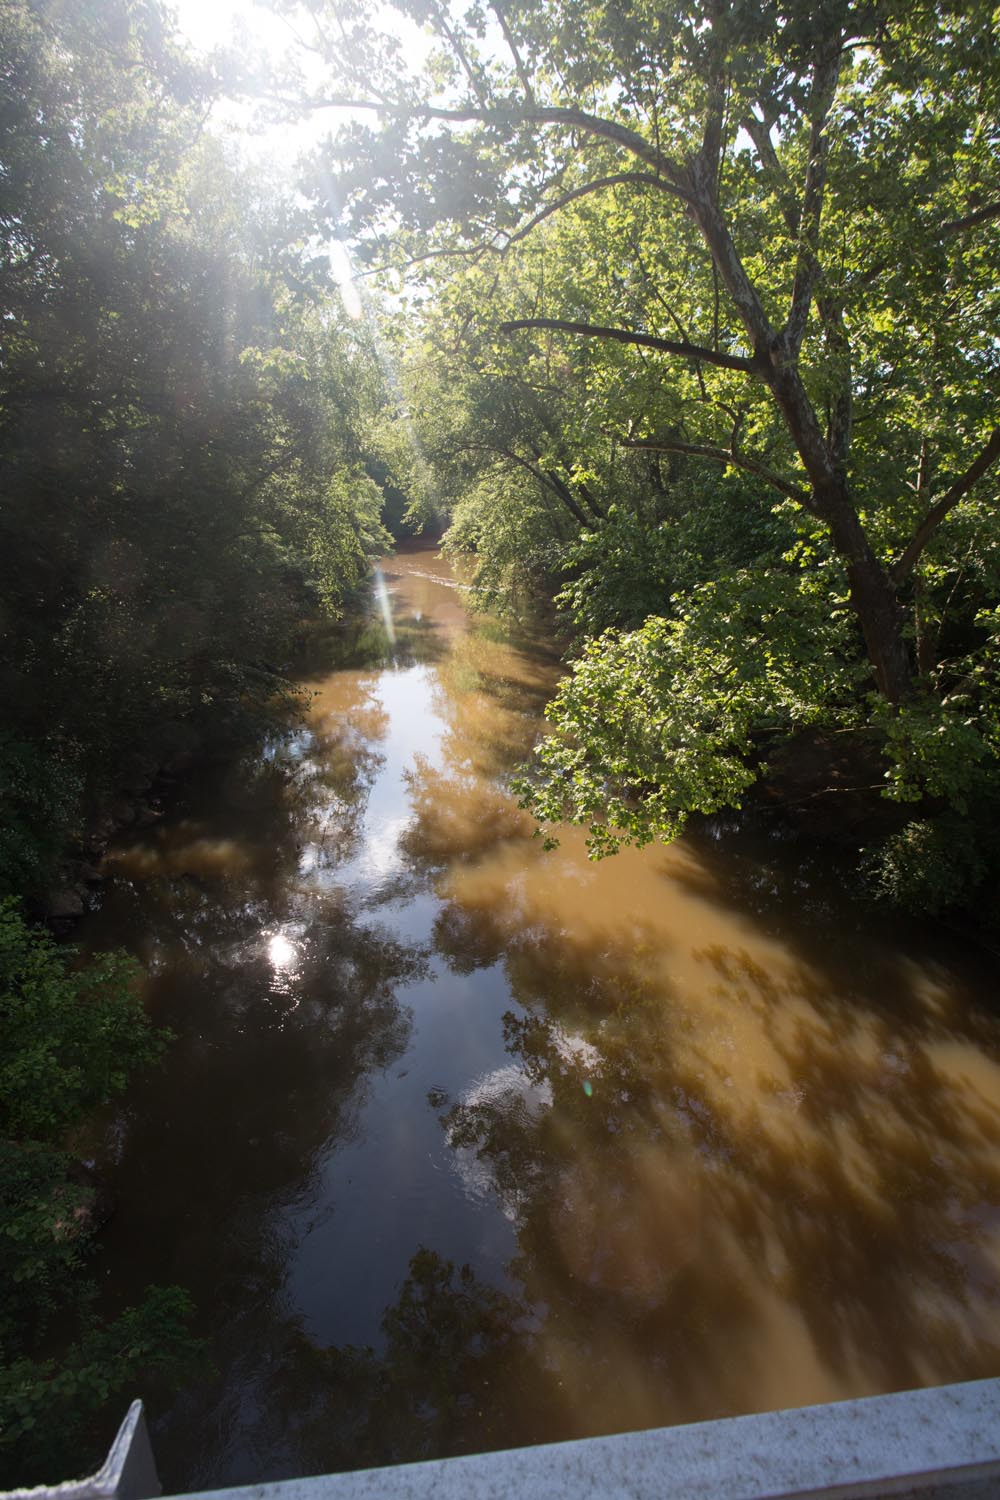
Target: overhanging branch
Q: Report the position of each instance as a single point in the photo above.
(980, 216)
(498, 244)
(725, 456)
(544, 477)
(989, 455)
(644, 340)
(617, 179)
(511, 119)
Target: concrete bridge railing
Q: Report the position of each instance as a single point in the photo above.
(941, 1443)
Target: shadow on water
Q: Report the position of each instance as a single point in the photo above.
(463, 1144)
(685, 1250)
(786, 1185)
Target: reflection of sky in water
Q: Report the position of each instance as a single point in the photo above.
(502, 1092)
(373, 1200)
(412, 729)
(402, 1169)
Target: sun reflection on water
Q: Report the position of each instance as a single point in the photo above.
(282, 952)
(285, 958)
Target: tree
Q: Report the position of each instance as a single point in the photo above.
(795, 212)
(181, 422)
(802, 146)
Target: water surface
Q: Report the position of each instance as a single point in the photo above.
(465, 1144)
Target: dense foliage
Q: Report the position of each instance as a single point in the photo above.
(181, 421)
(183, 410)
(69, 1039)
(666, 243)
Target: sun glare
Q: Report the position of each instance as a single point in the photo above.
(281, 951)
(206, 24)
(249, 28)
(340, 265)
(385, 605)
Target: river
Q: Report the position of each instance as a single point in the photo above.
(466, 1144)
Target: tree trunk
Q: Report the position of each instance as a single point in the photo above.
(873, 598)
(873, 595)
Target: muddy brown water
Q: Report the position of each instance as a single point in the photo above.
(463, 1144)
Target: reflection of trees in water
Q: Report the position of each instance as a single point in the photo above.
(455, 814)
(284, 1007)
(711, 1216)
(456, 1375)
(264, 1081)
(247, 838)
(328, 788)
(753, 863)
(489, 696)
(361, 640)
(708, 1229)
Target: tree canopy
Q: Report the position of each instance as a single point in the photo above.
(754, 240)
(181, 419)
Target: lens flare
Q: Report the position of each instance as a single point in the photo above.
(343, 272)
(385, 607)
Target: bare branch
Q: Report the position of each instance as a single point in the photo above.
(807, 268)
(545, 477)
(746, 299)
(984, 460)
(510, 118)
(669, 310)
(710, 154)
(802, 222)
(439, 21)
(639, 179)
(644, 340)
(519, 67)
(497, 246)
(953, 226)
(474, 253)
(759, 132)
(728, 458)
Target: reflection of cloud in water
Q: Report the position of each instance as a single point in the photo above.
(505, 1093)
(575, 1049)
(382, 854)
